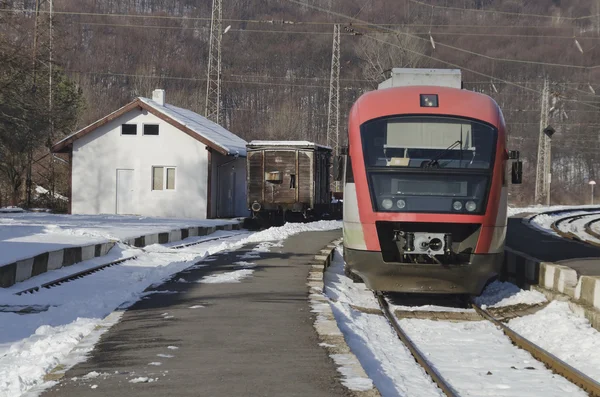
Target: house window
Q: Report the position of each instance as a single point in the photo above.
(150, 129)
(128, 129)
(163, 178)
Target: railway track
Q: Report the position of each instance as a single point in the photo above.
(576, 227)
(81, 274)
(552, 362)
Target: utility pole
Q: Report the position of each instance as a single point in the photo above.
(333, 114)
(543, 174)
(213, 83)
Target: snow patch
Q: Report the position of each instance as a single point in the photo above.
(569, 337)
(231, 277)
(142, 379)
(501, 294)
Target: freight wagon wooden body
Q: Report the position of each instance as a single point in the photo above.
(288, 180)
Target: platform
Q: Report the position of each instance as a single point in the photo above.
(583, 258)
(251, 338)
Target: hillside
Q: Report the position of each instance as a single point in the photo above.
(277, 57)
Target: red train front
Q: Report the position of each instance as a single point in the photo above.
(425, 194)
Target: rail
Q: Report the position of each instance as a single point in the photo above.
(551, 361)
(416, 353)
(87, 272)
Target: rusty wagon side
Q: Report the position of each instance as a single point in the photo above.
(288, 180)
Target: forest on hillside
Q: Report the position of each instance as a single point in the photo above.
(276, 66)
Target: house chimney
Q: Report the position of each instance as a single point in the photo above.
(158, 96)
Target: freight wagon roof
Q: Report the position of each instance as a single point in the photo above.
(306, 144)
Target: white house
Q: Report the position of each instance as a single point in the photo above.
(155, 159)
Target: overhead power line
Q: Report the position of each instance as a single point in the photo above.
(146, 26)
(425, 55)
(285, 22)
(504, 12)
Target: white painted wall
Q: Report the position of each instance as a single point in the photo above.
(98, 155)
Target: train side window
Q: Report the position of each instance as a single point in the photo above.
(292, 181)
(348, 168)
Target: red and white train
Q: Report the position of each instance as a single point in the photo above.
(425, 192)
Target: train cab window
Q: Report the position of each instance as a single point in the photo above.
(292, 181)
(428, 141)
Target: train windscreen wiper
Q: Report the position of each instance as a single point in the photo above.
(434, 161)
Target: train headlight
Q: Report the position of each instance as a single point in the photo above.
(401, 204)
(387, 204)
(471, 206)
(457, 205)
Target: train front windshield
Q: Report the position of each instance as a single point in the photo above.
(428, 163)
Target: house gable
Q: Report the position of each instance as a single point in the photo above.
(66, 144)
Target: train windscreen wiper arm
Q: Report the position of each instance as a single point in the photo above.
(434, 160)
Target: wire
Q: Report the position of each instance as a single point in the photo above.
(276, 22)
(204, 80)
(431, 57)
(374, 27)
(504, 12)
(329, 33)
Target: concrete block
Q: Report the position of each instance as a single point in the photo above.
(193, 232)
(151, 239)
(185, 233)
(7, 275)
(55, 260)
(24, 269)
(565, 280)
(547, 271)
(163, 238)
(140, 242)
(174, 235)
(105, 248)
(71, 255)
(588, 291)
(88, 252)
(40, 264)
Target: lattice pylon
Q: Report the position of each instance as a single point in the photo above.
(213, 83)
(333, 114)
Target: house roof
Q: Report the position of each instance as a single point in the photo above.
(193, 124)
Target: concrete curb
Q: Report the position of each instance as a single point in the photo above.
(327, 328)
(556, 281)
(24, 269)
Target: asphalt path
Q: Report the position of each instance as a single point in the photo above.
(251, 338)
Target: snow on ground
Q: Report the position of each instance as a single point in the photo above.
(341, 289)
(33, 344)
(477, 359)
(501, 294)
(569, 337)
(385, 360)
(230, 277)
(28, 234)
(536, 209)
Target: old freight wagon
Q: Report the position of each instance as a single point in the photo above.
(288, 180)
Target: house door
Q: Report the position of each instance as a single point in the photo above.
(125, 203)
(226, 200)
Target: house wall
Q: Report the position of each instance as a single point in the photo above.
(98, 155)
(222, 167)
